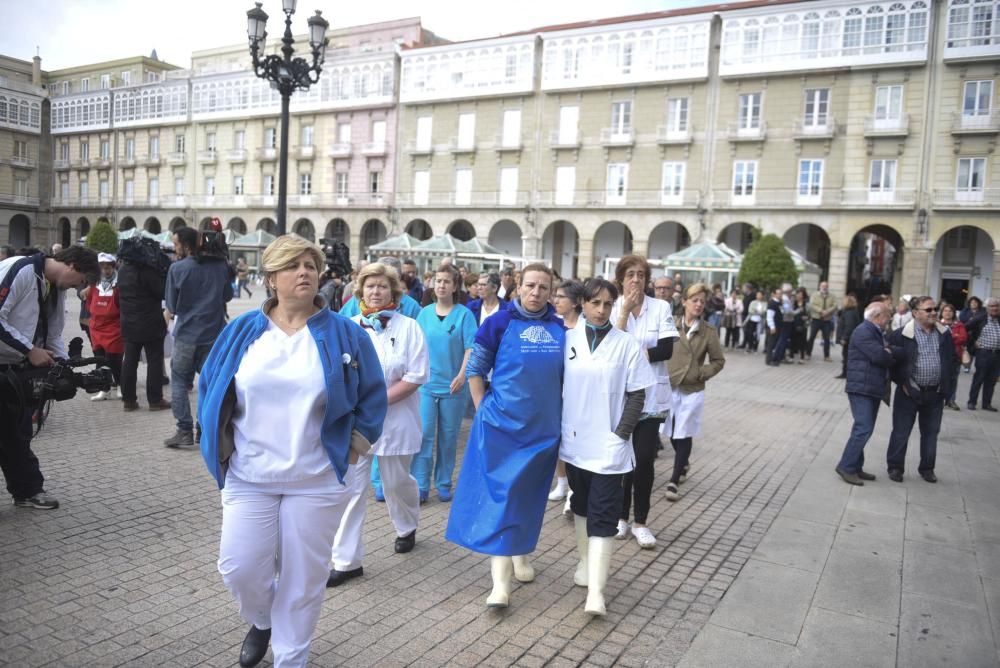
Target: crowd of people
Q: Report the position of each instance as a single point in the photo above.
(302, 411)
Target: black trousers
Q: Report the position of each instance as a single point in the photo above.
(645, 442)
(112, 361)
(985, 376)
(750, 335)
(682, 455)
(154, 370)
(18, 463)
(598, 497)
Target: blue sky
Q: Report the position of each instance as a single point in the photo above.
(69, 32)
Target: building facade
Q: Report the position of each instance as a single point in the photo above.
(861, 132)
(23, 172)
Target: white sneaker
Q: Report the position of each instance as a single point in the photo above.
(118, 393)
(672, 492)
(100, 396)
(558, 493)
(622, 530)
(644, 537)
(567, 511)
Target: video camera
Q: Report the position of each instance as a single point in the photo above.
(213, 242)
(338, 257)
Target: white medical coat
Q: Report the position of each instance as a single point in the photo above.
(655, 322)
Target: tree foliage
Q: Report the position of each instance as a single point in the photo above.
(767, 263)
(103, 238)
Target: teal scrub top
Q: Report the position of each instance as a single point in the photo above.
(447, 341)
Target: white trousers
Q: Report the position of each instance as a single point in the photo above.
(274, 551)
(402, 496)
(348, 550)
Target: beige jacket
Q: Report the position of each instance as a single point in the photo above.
(688, 371)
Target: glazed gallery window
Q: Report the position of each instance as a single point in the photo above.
(749, 111)
(810, 181)
(617, 186)
(817, 107)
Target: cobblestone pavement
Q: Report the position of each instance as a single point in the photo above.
(123, 574)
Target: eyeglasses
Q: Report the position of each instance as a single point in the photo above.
(928, 310)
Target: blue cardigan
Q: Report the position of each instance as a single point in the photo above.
(356, 393)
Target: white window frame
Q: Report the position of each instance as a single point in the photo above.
(980, 112)
(511, 133)
(84, 191)
(179, 186)
(154, 146)
(463, 186)
(126, 78)
(130, 148)
(129, 191)
(305, 183)
(621, 120)
(421, 187)
(238, 185)
(270, 138)
(375, 182)
(210, 141)
(306, 137)
(672, 183)
(616, 190)
(809, 188)
(970, 179)
(103, 190)
(84, 84)
(179, 143)
(818, 117)
(508, 186)
(239, 139)
(678, 117)
(105, 81)
(153, 189)
(209, 187)
(888, 106)
(882, 175)
(565, 185)
(745, 180)
(64, 190)
(750, 113)
(425, 129)
(378, 132)
(105, 148)
(341, 184)
(569, 125)
(84, 150)
(466, 138)
(267, 185)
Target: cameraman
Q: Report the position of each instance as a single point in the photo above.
(198, 287)
(32, 314)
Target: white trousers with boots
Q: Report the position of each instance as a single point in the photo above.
(274, 551)
(402, 496)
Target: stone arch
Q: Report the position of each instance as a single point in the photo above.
(65, 232)
(177, 223)
(237, 225)
(667, 238)
(962, 265)
(875, 262)
(612, 239)
(419, 228)
(152, 225)
(737, 236)
(811, 242)
(267, 225)
(506, 235)
(561, 248)
(82, 227)
(462, 230)
(338, 230)
(372, 232)
(304, 228)
(19, 231)
(126, 223)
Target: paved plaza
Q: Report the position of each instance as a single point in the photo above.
(768, 558)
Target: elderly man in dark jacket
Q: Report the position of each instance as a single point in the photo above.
(923, 380)
(869, 361)
(140, 292)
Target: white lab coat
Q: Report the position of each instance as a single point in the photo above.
(402, 352)
(655, 322)
(594, 386)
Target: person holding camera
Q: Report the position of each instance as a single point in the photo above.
(198, 287)
(32, 315)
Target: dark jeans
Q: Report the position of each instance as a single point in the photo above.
(750, 336)
(732, 337)
(769, 341)
(241, 286)
(987, 367)
(598, 497)
(154, 370)
(682, 455)
(784, 336)
(864, 409)
(17, 461)
(817, 326)
(924, 407)
(185, 361)
(645, 443)
(112, 361)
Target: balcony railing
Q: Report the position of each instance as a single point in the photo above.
(887, 127)
(456, 146)
(267, 154)
(151, 160)
(617, 137)
(815, 128)
(20, 200)
(208, 156)
(975, 124)
(518, 198)
(101, 163)
(60, 164)
(339, 149)
(127, 161)
(631, 198)
(952, 197)
(512, 143)
(414, 148)
(236, 155)
(669, 135)
(828, 197)
(176, 158)
(81, 163)
(305, 152)
(374, 148)
(736, 132)
(342, 200)
(904, 198)
(22, 161)
(558, 140)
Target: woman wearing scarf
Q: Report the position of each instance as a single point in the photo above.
(105, 322)
(403, 355)
(514, 440)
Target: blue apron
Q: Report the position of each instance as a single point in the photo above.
(503, 486)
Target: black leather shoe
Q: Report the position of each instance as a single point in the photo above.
(895, 475)
(405, 543)
(971, 406)
(254, 646)
(990, 409)
(865, 475)
(928, 476)
(338, 578)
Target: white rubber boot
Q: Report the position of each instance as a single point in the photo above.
(567, 510)
(558, 493)
(582, 547)
(522, 568)
(598, 565)
(100, 396)
(501, 569)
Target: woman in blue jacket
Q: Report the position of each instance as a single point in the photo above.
(511, 455)
(289, 397)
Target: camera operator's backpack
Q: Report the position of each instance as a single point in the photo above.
(144, 251)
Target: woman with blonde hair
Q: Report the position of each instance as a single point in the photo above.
(688, 375)
(402, 353)
(291, 396)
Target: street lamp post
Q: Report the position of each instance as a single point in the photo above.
(287, 74)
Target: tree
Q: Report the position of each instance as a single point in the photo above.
(103, 238)
(767, 263)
